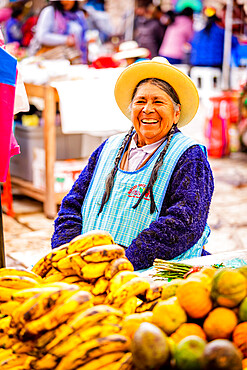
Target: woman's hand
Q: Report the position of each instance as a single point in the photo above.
(70, 41)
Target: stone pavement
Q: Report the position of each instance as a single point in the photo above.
(27, 236)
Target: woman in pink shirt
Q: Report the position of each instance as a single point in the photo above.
(176, 36)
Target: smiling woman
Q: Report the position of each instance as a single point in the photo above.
(151, 188)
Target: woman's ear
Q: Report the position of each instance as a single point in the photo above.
(177, 114)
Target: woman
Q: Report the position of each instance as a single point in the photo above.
(178, 34)
(152, 188)
(61, 23)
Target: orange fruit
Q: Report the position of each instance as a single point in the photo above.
(220, 323)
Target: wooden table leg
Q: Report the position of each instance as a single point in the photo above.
(50, 208)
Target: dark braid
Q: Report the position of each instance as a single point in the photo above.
(110, 178)
(154, 173)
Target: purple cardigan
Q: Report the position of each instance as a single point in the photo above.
(182, 218)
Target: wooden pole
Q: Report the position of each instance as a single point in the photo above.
(226, 68)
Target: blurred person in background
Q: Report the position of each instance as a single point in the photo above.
(13, 26)
(177, 35)
(148, 30)
(207, 45)
(61, 23)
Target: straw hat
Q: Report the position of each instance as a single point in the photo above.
(158, 67)
(130, 49)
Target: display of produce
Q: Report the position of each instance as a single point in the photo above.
(84, 307)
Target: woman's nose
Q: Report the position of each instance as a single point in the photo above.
(148, 107)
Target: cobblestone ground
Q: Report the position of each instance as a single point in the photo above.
(27, 236)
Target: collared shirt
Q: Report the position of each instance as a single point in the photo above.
(138, 155)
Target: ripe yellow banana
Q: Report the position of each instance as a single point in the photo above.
(121, 278)
(71, 279)
(88, 240)
(45, 362)
(15, 360)
(117, 265)
(147, 306)
(100, 286)
(6, 293)
(93, 315)
(93, 270)
(58, 314)
(57, 253)
(7, 308)
(154, 292)
(101, 361)
(99, 299)
(53, 276)
(7, 342)
(5, 324)
(81, 336)
(19, 272)
(23, 347)
(103, 253)
(17, 282)
(93, 349)
(124, 363)
(129, 306)
(42, 266)
(65, 262)
(130, 289)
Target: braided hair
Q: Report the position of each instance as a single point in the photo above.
(165, 86)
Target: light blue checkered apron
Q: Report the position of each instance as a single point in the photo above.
(118, 217)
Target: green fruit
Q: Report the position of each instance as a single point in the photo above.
(221, 354)
(242, 313)
(189, 353)
(149, 347)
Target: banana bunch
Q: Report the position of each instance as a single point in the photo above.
(13, 280)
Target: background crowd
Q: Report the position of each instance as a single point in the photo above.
(183, 34)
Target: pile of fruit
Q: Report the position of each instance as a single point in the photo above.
(83, 307)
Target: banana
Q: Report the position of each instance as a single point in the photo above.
(85, 286)
(44, 302)
(99, 299)
(42, 266)
(154, 292)
(121, 278)
(57, 253)
(124, 363)
(6, 293)
(103, 253)
(77, 263)
(5, 324)
(129, 306)
(7, 342)
(100, 286)
(23, 347)
(93, 270)
(101, 361)
(19, 272)
(24, 294)
(5, 353)
(71, 279)
(7, 308)
(53, 276)
(58, 315)
(45, 362)
(93, 349)
(90, 239)
(83, 335)
(16, 360)
(46, 338)
(83, 320)
(65, 263)
(132, 288)
(147, 306)
(117, 265)
(92, 315)
(17, 282)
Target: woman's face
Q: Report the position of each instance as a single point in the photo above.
(152, 114)
(67, 5)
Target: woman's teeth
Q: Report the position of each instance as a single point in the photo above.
(149, 121)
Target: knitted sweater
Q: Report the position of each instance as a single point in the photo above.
(182, 218)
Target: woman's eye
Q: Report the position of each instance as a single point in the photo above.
(158, 102)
